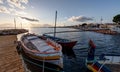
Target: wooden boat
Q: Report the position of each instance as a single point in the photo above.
(66, 44)
(95, 66)
(109, 58)
(92, 64)
(37, 49)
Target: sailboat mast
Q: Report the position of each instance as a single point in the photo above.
(21, 25)
(55, 23)
(15, 23)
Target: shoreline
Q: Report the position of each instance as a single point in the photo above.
(99, 30)
(12, 31)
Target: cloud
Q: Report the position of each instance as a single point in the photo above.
(14, 7)
(80, 19)
(46, 25)
(17, 3)
(32, 7)
(1, 1)
(30, 19)
(24, 1)
(4, 10)
(17, 12)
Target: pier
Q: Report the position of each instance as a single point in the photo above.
(10, 60)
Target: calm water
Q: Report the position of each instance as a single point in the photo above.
(108, 44)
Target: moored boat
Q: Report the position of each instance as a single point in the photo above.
(93, 64)
(109, 59)
(39, 50)
(66, 44)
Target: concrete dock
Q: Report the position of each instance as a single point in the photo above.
(9, 58)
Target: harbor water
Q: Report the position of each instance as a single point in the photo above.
(107, 44)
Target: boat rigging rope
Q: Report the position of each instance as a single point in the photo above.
(102, 66)
(43, 64)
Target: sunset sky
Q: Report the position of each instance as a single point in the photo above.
(70, 12)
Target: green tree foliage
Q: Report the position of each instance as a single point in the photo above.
(116, 19)
(84, 24)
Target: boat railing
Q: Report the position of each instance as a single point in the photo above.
(32, 51)
(56, 45)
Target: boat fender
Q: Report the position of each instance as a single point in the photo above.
(18, 49)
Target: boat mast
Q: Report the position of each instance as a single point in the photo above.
(15, 23)
(21, 25)
(55, 23)
(101, 20)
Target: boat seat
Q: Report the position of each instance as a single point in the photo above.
(42, 46)
(31, 46)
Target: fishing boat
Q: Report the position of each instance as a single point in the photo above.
(93, 64)
(109, 59)
(66, 44)
(48, 52)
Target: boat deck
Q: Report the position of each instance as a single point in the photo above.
(57, 39)
(33, 42)
(9, 58)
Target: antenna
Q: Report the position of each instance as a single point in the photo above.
(55, 23)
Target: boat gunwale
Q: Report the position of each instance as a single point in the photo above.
(35, 51)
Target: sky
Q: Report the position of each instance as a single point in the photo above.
(69, 12)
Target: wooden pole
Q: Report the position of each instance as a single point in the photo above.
(55, 23)
(15, 23)
(21, 25)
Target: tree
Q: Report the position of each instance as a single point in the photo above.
(84, 24)
(116, 19)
